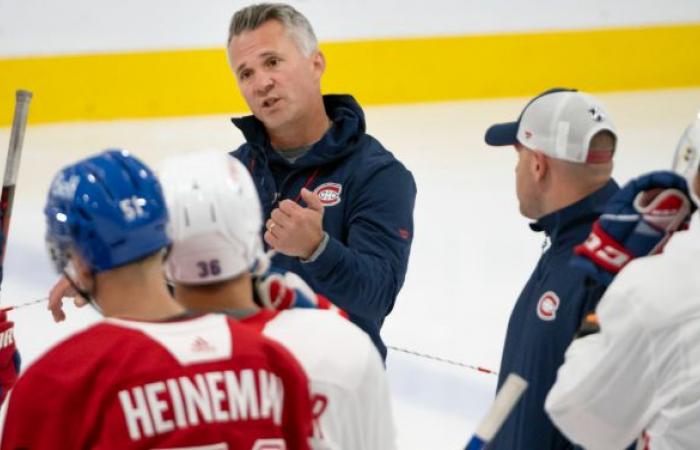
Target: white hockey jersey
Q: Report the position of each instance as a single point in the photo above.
(639, 377)
(350, 395)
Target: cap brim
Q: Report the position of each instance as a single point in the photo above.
(502, 134)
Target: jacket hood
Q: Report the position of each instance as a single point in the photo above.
(348, 126)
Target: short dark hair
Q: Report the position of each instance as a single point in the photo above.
(253, 16)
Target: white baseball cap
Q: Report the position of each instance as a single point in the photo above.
(560, 123)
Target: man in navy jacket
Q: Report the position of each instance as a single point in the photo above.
(338, 206)
(565, 142)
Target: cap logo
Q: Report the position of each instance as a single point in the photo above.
(329, 193)
(528, 134)
(596, 114)
(547, 306)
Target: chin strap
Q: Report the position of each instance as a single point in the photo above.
(70, 274)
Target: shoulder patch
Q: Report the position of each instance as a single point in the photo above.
(329, 193)
(547, 306)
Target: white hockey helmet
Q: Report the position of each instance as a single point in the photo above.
(215, 217)
(686, 160)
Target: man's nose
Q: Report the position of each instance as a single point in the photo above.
(263, 84)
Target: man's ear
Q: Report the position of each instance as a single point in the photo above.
(539, 165)
(319, 64)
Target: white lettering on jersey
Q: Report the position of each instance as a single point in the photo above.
(7, 338)
(210, 397)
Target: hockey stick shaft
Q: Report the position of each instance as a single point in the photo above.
(442, 360)
(505, 401)
(23, 305)
(19, 124)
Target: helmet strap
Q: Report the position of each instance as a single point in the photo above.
(70, 274)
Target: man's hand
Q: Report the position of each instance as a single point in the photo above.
(294, 230)
(59, 291)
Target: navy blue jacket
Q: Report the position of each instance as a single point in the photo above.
(370, 228)
(544, 320)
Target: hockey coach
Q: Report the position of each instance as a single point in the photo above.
(338, 206)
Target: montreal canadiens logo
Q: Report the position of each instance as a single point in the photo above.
(329, 193)
(547, 306)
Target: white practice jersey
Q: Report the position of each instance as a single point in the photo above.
(349, 388)
(639, 377)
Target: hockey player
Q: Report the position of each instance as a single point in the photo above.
(216, 220)
(634, 372)
(149, 375)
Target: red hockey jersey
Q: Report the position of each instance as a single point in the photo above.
(201, 383)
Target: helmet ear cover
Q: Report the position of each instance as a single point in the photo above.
(686, 159)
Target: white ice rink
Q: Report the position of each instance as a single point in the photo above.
(471, 255)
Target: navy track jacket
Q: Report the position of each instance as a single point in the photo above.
(369, 197)
(544, 320)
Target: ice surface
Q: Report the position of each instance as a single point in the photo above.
(471, 255)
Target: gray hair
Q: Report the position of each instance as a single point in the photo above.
(253, 16)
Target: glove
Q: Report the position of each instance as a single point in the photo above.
(278, 290)
(9, 356)
(637, 221)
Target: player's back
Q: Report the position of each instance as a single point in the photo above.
(663, 294)
(202, 382)
(350, 396)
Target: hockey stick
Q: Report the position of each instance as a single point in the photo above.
(19, 124)
(442, 360)
(23, 305)
(506, 399)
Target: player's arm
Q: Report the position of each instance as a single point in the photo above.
(297, 416)
(364, 276)
(39, 400)
(604, 389)
(378, 428)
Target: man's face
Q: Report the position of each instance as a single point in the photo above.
(276, 79)
(525, 186)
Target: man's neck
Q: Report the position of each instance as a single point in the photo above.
(567, 195)
(236, 294)
(142, 296)
(305, 132)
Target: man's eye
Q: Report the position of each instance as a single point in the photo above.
(244, 75)
(273, 62)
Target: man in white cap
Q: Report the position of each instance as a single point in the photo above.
(638, 372)
(565, 142)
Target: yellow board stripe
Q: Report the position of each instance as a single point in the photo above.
(190, 82)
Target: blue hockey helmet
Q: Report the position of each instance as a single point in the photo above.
(109, 208)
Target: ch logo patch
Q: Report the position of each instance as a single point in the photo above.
(329, 193)
(547, 306)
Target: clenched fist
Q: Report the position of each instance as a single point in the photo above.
(294, 230)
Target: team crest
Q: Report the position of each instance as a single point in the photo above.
(329, 193)
(547, 306)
